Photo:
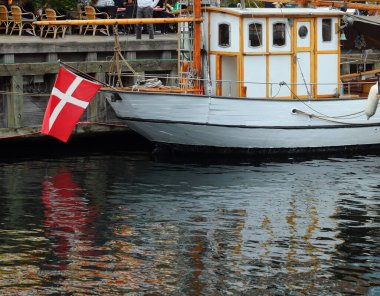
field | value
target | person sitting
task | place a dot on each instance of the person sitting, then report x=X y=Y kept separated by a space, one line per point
x=172 y=7
x=161 y=11
x=121 y=8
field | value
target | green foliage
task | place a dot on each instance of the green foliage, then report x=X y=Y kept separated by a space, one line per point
x=60 y=5
x=248 y=3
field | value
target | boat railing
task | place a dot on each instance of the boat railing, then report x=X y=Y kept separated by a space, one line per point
x=343 y=88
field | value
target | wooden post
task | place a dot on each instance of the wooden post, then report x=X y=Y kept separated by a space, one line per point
x=91 y=56
x=15 y=102
x=8 y=58
x=97 y=109
x=52 y=57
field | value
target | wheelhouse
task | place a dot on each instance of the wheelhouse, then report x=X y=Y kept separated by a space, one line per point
x=274 y=52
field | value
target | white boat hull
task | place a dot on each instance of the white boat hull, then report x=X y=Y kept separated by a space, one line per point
x=217 y=122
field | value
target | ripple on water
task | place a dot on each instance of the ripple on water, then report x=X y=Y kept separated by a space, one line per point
x=113 y=225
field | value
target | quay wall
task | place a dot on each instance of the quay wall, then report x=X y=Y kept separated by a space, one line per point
x=29 y=64
x=28 y=68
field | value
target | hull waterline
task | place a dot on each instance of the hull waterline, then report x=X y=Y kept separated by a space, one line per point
x=201 y=123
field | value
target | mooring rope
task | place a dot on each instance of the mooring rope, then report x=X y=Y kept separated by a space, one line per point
x=323 y=118
x=80 y=123
x=322 y=115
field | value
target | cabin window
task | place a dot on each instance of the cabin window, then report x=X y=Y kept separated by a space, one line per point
x=326 y=30
x=255 y=34
x=302 y=32
x=224 y=35
x=279 y=37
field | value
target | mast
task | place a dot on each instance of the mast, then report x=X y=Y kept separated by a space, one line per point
x=197 y=38
x=331 y=3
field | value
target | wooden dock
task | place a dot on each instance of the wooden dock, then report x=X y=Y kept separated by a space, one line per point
x=29 y=64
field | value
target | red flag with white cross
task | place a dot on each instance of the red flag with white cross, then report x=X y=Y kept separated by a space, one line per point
x=70 y=96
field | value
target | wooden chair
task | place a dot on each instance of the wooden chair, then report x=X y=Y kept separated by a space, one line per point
x=5 y=19
x=91 y=14
x=19 y=22
x=51 y=15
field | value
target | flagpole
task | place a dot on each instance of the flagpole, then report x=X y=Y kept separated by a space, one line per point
x=85 y=74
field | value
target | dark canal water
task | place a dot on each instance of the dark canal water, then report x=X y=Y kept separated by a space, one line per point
x=126 y=225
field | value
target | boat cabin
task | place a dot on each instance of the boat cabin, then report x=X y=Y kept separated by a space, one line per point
x=274 y=52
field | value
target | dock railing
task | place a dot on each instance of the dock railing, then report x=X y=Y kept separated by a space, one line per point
x=230 y=88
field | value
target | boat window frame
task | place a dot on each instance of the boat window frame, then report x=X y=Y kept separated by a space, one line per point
x=273 y=31
x=229 y=34
x=302 y=33
x=323 y=30
x=261 y=34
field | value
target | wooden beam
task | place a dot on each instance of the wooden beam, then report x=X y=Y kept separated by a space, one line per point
x=112 y=22
x=353 y=75
x=15 y=102
x=87 y=66
x=331 y=3
x=348 y=5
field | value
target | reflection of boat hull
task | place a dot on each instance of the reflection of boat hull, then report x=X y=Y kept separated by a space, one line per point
x=186 y=121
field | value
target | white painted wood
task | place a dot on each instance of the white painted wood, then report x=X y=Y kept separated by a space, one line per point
x=247 y=47
x=303 y=42
x=229 y=76
x=287 y=46
x=303 y=73
x=330 y=45
x=213 y=73
x=215 y=20
x=258 y=138
x=246 y=123
x=255 y=76
x=327 y=74
x=232 y=122
x=279 y=71
x=204 y=28
x=278 y=12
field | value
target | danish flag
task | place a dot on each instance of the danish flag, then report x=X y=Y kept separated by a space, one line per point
x=70 y=96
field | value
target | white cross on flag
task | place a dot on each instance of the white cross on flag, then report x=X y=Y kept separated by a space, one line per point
x=70 y=96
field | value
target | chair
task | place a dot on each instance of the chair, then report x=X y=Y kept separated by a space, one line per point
x=91 y=14
x=20 y=23
x=51 y=15
x=5 y=20
x=110 y=10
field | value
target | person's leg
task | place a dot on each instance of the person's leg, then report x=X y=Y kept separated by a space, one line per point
x=149 y=14
x=139 y=14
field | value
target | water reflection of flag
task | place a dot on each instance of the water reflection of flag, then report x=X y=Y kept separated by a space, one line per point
x=70 y=96
x=68 y=216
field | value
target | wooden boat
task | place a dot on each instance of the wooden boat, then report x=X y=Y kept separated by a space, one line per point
x=266 y=81
x=274 y=85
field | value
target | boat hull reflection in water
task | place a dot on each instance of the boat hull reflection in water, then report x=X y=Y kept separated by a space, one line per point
x=113 y=225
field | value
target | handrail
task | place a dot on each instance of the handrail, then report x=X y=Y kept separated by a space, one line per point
x=111 y=22
x=166 y=76
x=353 y=75
x=347 y=85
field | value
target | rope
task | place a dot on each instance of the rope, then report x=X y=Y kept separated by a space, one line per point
x=147 y=83
x=303 y=78
x=22 y=93
x=323 y=118
x=81 y=123
x=20 y=136
x=321 y=115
